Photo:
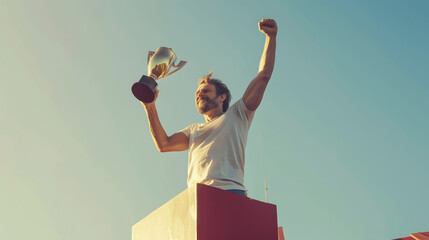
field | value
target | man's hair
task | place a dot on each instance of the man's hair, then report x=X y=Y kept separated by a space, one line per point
x=221 y=88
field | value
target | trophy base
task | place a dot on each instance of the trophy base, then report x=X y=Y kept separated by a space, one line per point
x=144 y=90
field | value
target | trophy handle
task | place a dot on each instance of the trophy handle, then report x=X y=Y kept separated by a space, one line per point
x=149 y=55
x=178 y=67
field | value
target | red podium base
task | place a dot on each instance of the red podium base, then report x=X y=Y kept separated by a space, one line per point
x=420 y=235
x=207 y=213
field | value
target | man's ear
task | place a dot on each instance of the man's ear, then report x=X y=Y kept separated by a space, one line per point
x=223 y=97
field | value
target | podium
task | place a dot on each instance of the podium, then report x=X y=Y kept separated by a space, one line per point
x=419 y=235
x=207 y=213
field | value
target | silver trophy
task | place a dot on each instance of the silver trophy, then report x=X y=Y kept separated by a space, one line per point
x=159 y=63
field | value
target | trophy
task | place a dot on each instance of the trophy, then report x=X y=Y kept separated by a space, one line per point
x=159 y=63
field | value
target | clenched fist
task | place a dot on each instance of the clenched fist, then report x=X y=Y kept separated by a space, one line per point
x=268 y=26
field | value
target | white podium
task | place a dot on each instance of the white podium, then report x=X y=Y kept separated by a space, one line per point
x=207 y=213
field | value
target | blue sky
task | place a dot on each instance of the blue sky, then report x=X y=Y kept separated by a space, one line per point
x=342 y=129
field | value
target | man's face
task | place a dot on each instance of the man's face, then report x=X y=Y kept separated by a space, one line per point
x=205 y=98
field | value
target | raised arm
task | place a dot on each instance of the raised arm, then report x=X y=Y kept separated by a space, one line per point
x=255 y=91
x=164 y=143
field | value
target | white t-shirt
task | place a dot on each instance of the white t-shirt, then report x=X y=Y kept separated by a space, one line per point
x=216 y=149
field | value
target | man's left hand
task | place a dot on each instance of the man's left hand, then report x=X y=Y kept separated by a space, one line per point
x=268 y=26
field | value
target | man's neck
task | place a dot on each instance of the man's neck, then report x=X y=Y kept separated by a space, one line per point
x=213 y=113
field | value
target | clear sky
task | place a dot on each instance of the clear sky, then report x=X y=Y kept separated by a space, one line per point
x=342 y=129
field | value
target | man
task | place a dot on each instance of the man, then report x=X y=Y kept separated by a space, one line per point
x=216 y=148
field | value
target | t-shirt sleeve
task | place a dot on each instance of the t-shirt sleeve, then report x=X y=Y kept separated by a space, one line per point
x=186 y=131
x=243 y=113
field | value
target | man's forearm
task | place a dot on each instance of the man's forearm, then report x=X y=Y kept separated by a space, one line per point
x=158 y=133
x=266 y=65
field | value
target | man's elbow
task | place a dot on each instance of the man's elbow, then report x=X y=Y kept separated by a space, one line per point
x=265 y=77
x=161 y=148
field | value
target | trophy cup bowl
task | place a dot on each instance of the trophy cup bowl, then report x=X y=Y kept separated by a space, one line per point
x=159 y=64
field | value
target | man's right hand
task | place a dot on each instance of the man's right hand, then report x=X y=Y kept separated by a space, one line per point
x=154 y=100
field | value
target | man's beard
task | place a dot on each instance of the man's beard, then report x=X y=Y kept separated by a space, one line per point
x=208 y=105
